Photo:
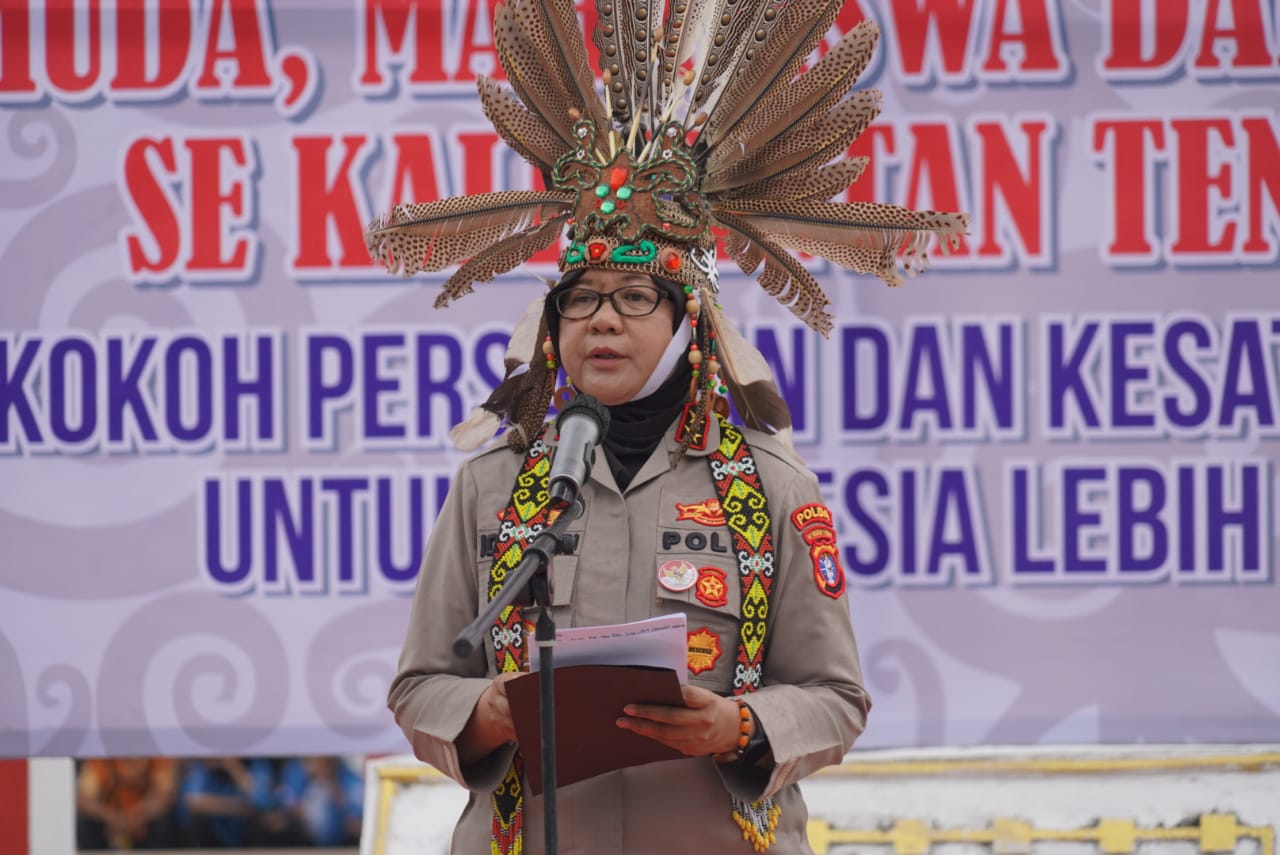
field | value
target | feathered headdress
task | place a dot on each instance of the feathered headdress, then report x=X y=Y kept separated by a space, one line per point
x=708 y=127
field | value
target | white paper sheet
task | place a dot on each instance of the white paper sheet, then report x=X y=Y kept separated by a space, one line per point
x=662 y=642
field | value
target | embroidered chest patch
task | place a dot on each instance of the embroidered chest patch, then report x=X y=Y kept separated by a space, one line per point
x=704 y=650
x=706 y=512
x=712 y=589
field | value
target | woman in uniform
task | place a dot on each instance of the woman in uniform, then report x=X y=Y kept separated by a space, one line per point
x=706 y=139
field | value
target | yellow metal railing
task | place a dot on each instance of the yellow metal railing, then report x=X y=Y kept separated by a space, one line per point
x=1215 y=832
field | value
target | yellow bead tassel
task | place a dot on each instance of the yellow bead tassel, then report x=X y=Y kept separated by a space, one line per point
x=758 y=821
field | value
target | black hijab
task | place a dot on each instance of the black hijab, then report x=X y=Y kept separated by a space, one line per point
x=636 y=427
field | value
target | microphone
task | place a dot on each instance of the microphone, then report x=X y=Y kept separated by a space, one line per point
x=581 y=425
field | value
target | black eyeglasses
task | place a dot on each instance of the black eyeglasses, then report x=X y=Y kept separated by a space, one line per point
x=633 y=301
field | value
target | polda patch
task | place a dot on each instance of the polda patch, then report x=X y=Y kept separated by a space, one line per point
x=825 y=555
x=712 y=589
x=812 y=514
x=704 y=650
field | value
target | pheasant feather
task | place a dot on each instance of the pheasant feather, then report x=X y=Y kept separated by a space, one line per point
x=810 y=144
x=780 y=109
x=862 y=236
x=747 y=375
x=732 y=39
x=506 y=254
x=783 y=276
x=803 y=185
x=800 y=25
x=484 y=421
x=436 y=235
x=523 y=130
x=550 y=82
x=610 y=37
x=557 y=22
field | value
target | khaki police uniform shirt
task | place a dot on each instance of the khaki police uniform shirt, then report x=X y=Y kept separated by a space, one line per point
x=811 y=704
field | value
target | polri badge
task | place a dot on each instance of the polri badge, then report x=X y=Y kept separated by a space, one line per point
x=712 y=588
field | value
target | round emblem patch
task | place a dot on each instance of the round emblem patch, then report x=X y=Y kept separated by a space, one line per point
x=713 y=588
x=677 y=575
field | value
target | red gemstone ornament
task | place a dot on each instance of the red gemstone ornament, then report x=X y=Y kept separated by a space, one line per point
x=596 y=250
x=617 y=177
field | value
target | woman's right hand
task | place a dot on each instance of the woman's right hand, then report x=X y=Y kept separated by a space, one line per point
x=490 y=725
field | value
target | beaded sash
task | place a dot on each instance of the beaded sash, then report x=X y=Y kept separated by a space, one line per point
x=746 y=511
x=523 y=519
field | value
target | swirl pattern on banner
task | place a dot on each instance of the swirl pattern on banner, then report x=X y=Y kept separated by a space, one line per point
x=246 y=708
x=892 y=662
x=32 y=137
x=24 y=307
x=349 y=666
x=1125 y=685
x=66 y=688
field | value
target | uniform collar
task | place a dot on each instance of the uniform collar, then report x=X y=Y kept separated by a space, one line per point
x=662 y=458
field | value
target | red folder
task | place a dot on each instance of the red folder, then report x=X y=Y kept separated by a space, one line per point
x=589 y=700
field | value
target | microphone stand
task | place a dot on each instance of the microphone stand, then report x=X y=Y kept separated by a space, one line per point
x=530 y=582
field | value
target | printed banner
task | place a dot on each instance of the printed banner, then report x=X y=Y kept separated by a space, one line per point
x=1050 y=461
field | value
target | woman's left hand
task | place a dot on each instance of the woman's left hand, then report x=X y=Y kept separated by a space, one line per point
x=708 y=725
